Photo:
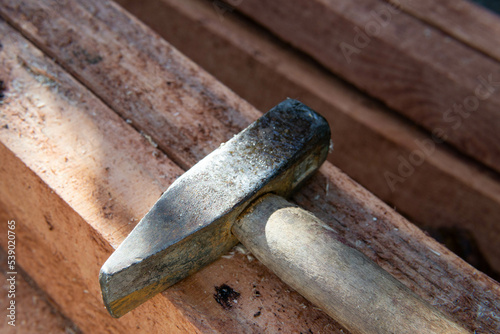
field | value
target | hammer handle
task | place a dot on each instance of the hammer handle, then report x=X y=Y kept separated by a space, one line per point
x=310 y=257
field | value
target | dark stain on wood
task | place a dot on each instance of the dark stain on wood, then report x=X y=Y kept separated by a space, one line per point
x=2 y=90
x=90 y=58
x=226 y=296
x=48 y=220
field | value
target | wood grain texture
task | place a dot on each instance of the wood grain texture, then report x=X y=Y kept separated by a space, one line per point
x=434 y=80
x=472 y=24
x=308 y=255
x=399 y=247
x=369 y=140
x=59 y=141
x=124 y=59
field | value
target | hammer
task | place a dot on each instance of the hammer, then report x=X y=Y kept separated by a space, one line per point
x=236 y=193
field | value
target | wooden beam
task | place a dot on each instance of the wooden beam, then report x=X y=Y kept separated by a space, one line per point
x=111 y=176
x=472 y=24
x=416 y=69
x=34 y=312
x=67 y=164
x=370 y=141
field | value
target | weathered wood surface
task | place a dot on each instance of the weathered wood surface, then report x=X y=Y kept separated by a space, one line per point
x=114 y=177
x=68 y=165
x=439 y=83
x=349 y=287
x=370 y=141
x=472 y=24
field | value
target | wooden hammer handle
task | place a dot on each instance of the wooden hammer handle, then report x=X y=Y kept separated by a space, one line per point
x=310 y=257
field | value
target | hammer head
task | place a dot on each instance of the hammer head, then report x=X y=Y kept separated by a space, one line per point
x=190 y=225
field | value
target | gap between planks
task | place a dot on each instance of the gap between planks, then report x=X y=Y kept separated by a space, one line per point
x=466 y=21
x=410 y=66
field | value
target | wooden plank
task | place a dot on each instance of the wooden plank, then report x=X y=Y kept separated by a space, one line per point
x=34 y=312
x=370 y=141
x=472 y=24
x=77 y=178
x=59 y=141
x=171 y=124
x=402 y=249
x=434 y=80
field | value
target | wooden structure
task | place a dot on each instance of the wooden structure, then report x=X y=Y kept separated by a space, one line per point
x=99 y=115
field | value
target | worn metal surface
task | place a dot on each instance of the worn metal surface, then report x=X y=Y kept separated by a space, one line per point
x=190 y=225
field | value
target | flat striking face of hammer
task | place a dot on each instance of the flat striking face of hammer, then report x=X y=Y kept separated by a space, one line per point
x=190 y=225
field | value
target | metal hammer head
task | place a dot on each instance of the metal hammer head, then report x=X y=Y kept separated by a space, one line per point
x=190 y=225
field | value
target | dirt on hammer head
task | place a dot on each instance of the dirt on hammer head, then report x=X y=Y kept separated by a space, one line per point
x=190 y=225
